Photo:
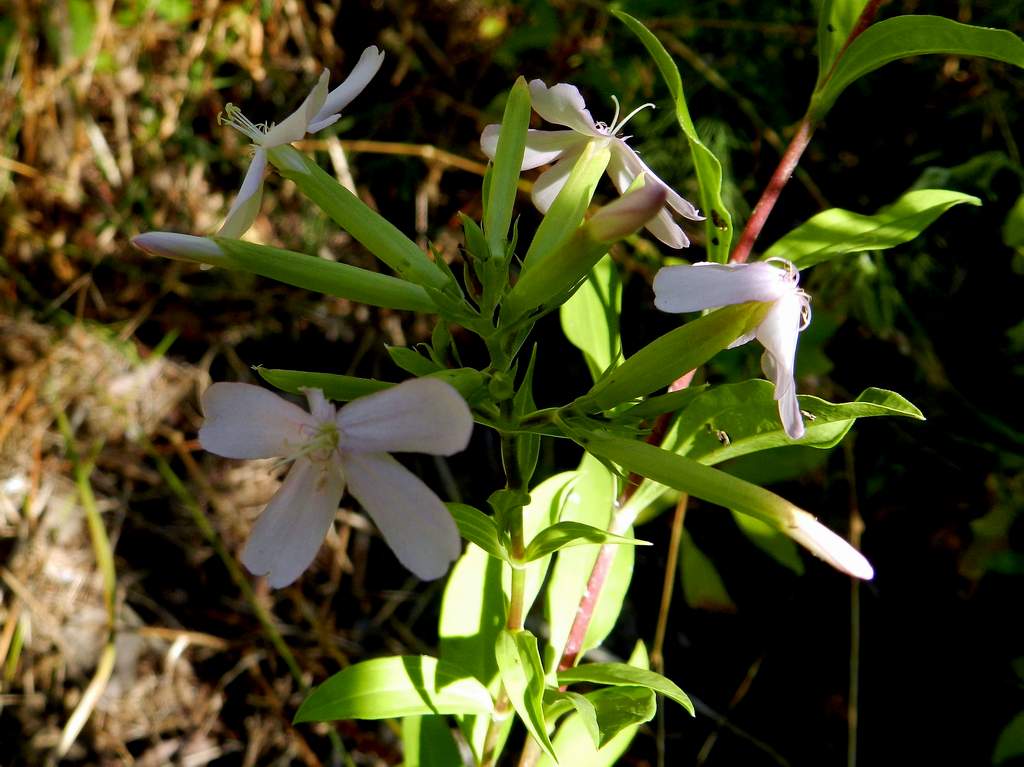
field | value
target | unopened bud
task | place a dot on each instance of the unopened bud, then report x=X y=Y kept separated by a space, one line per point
x=627 y=214
x=826 y=545
x=182 y=247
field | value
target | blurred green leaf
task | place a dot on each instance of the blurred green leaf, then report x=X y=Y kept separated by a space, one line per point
x=1011 y=741
x=903 y=36
x=836 y=232
x=703 y=588
x=590 y=319
x=427 y=742
x=1013 y=226
x=778 y=546
x=402 y=685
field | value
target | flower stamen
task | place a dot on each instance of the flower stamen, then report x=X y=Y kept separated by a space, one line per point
x=233 y=116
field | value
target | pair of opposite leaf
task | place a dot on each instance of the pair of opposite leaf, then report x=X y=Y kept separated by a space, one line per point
x=352 y=444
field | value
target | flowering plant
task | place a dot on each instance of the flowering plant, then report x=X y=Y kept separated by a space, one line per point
x=563 y=542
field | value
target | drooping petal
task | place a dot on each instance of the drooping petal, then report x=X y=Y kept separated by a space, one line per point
x=667 y=231
x=542 y=146
x=690 y=288
x=550 y=182
x=296 y=125
x=622 y=171
x=246 y=206
x=246 y=421
x=562 y=104
x=826 y=545
x=635 y=166
x=778 y=333
x=360 y=76
x=289 y=532
x=412 y=519
x=422 y=415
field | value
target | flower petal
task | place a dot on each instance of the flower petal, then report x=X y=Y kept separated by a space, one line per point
x=291 y=529
x=542 y=146
x=246 y=206
x=550 y=182
x=246 y=421
x=297 y=123
x=667 y=231
x=562 y=104
x=360 y=76
x=635 y=166
x=422 y=415
x=689 y=288
x=778 y=333
x=412 y=519
x=826 y=545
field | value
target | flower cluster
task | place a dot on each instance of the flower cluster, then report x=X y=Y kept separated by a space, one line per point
x=562 y=104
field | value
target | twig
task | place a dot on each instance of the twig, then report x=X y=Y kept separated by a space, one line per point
x=856 y=530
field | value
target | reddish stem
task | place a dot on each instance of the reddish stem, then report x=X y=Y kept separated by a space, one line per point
x=771 y=193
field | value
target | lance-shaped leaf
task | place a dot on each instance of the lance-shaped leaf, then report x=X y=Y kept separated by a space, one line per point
x=560 y=275
x=590 y=319
x=709 y=170
x=836 y=20
x=523 y=676
x=679 y=351
x=570 y=205
x=477 y=527
x=342 y=388
x=619 y=674
x=717 y=487
x=504 y=173
x=566 y=534
x=902 y=36
x=402 y=685
x=836 y=232
x=605 y=712
x=427 y=742
x=376 y=233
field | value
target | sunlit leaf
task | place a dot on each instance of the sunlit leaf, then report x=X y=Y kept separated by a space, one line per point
x=523 y=677
x=623 y=674
x=403 y=685
x=590 y=319
x=836 y=20
x=477 y=527
x=427 y=742
x=566 y=534
x=703 y=588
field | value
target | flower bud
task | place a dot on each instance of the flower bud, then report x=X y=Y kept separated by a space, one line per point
x=625 y=215
x=182 y=247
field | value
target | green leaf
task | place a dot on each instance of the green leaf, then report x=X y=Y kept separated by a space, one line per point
x=527 y=445
x=566 y=212
x=589 y=500
x=477 y=527
x=329 y=277
x=619 y=708
x=623 y=674
x=590 y=319
x=376 y=233
x=835 y=22
x=566 y=534
x=1013 y=226
x=836 y=232
x=574 y=741
x=558 y=703
x=902 y=36
x=411 y=361
x=709 y=170
x=731 y=420
x=679 y=351
x=427 y=742
x=665 y=403
x=1011 y=741
x=402 y=685
x=342 y=388
x=523 y=678
x=773 y=543
x=703 y=588
x=508 y=161
x=335 y=387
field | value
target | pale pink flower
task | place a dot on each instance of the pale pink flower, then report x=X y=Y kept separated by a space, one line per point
x=332 y=448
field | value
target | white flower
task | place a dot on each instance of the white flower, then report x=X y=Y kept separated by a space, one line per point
x=708 y=286
x=562 y=104
x=319 y=110
x=331 y=447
